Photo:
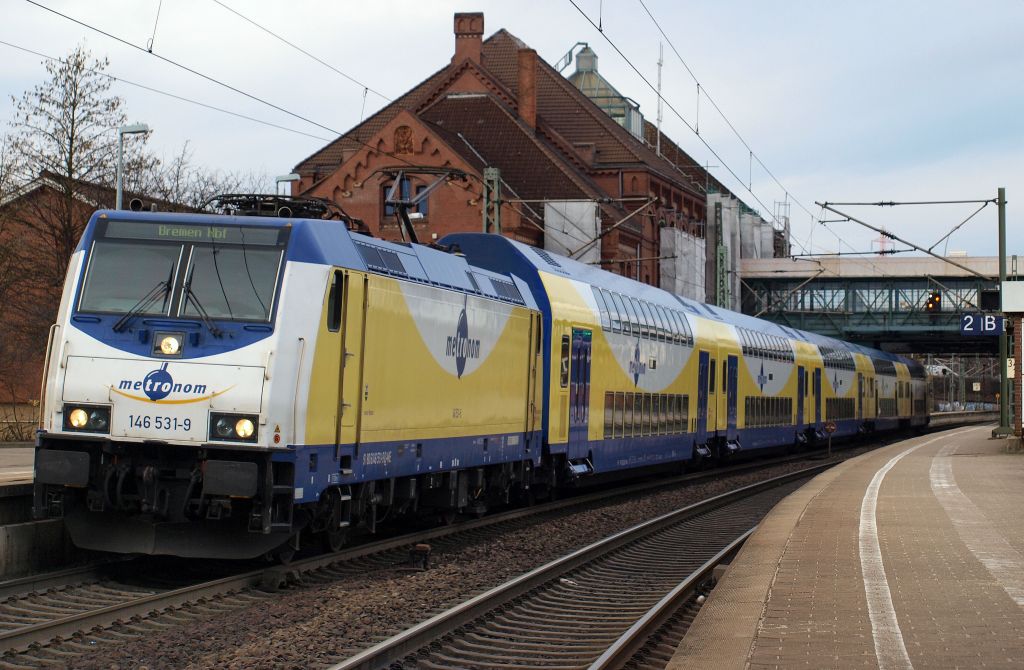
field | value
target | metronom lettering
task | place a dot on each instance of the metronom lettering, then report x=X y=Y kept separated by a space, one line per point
x=462 y=347
x=165 y=387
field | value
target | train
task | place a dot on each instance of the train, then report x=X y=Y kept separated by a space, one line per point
x=229 y=386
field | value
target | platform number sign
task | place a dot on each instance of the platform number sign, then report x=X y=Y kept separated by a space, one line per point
x=981 y=325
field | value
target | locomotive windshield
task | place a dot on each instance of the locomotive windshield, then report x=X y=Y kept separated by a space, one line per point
x=184 y=270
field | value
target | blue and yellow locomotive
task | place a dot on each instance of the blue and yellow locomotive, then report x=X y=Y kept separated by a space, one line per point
x=222 y=386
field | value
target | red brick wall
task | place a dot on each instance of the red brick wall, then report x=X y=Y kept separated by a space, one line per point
x=30 y=304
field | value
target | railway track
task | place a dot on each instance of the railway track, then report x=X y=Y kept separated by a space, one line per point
x=595 y=607
x=46 y=619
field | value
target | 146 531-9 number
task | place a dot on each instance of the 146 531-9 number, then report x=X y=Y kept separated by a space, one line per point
x=159 y=422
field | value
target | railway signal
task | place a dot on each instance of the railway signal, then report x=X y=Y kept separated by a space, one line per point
x=934 y=302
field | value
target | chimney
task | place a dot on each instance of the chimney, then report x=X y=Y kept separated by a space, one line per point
x=469 y=35
x=527 y=80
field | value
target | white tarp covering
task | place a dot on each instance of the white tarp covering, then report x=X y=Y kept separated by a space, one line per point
x=570 y=225
x=767 y=240
x=683 y=275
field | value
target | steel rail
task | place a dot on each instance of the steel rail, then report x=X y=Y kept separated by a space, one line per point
x=20 y=639
x=397 y=647
x=634 y=639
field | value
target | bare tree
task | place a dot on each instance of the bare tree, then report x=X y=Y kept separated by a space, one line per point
x=64 y=135
x=184 y=185
x=60 y=162
x=62 y=144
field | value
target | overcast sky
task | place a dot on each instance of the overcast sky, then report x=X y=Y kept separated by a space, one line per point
x=852 y=101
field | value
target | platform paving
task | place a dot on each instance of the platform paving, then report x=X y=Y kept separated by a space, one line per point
x=16 y=464
x=908 y=556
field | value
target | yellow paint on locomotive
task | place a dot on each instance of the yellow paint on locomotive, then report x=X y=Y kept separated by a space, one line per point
x=404 y=391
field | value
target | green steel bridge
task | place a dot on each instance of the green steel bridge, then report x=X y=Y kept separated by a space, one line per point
x=880 y=302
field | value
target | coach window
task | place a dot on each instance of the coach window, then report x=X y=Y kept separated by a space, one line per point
x=619 y=412
x=647 y=327
x=623 y=315
x=711 y=378
x=602 y=308
x=665 y=327
x=615 y=310
x=634 y=314
x=334 y=303
x=677 y=326
x=609 y=414
x=634 y=410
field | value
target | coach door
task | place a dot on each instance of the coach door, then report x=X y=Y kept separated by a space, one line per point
x=701 y=429
x=801 y=381
x=860 y=395
x=817 y=396
x=353 y=328
x=579 y=393
x=533 y=358
x=731 y=377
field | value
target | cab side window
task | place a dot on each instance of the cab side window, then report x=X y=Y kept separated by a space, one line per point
x=334 y=302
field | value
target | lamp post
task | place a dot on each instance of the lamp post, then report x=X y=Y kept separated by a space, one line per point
x=133 y=129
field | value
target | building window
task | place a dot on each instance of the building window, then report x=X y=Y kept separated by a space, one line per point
x=404 y=194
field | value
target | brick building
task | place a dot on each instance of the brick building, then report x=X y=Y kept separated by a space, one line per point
x=40 y=226
x=497 y=105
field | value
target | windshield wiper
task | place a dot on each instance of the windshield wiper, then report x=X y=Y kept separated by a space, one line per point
x=190 y=296
x=157 y=292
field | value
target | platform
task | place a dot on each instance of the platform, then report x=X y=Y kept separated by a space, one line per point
x=909 y=556
x=16 y=463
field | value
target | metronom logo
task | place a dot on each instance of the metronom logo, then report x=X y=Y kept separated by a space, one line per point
x=159 y=384
x=460 y=346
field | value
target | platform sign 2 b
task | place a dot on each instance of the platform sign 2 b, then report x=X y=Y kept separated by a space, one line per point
x=981 y=325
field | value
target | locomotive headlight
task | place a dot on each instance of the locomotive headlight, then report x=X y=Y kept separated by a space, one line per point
x=233 y=427
x=224 y=428
x=244 y=428
x=98 y=420
x=170 y=345
x=78 y=418
x=87 y=418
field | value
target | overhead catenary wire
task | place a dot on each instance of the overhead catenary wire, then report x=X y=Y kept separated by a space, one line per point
x=302 y=51
x=900 y=239
x=305 y=119
x=206 y=77
x=186 y=68
x=959 y=226
x=673 y=109
x=465 y=187
x=222 y=84
x=701 y=88
x=892 y=203
x=169 y=94
x=156 y=22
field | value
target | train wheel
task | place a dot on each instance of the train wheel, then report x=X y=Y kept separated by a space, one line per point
x=334 y=540
x=283 y=554
x=335 y=519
